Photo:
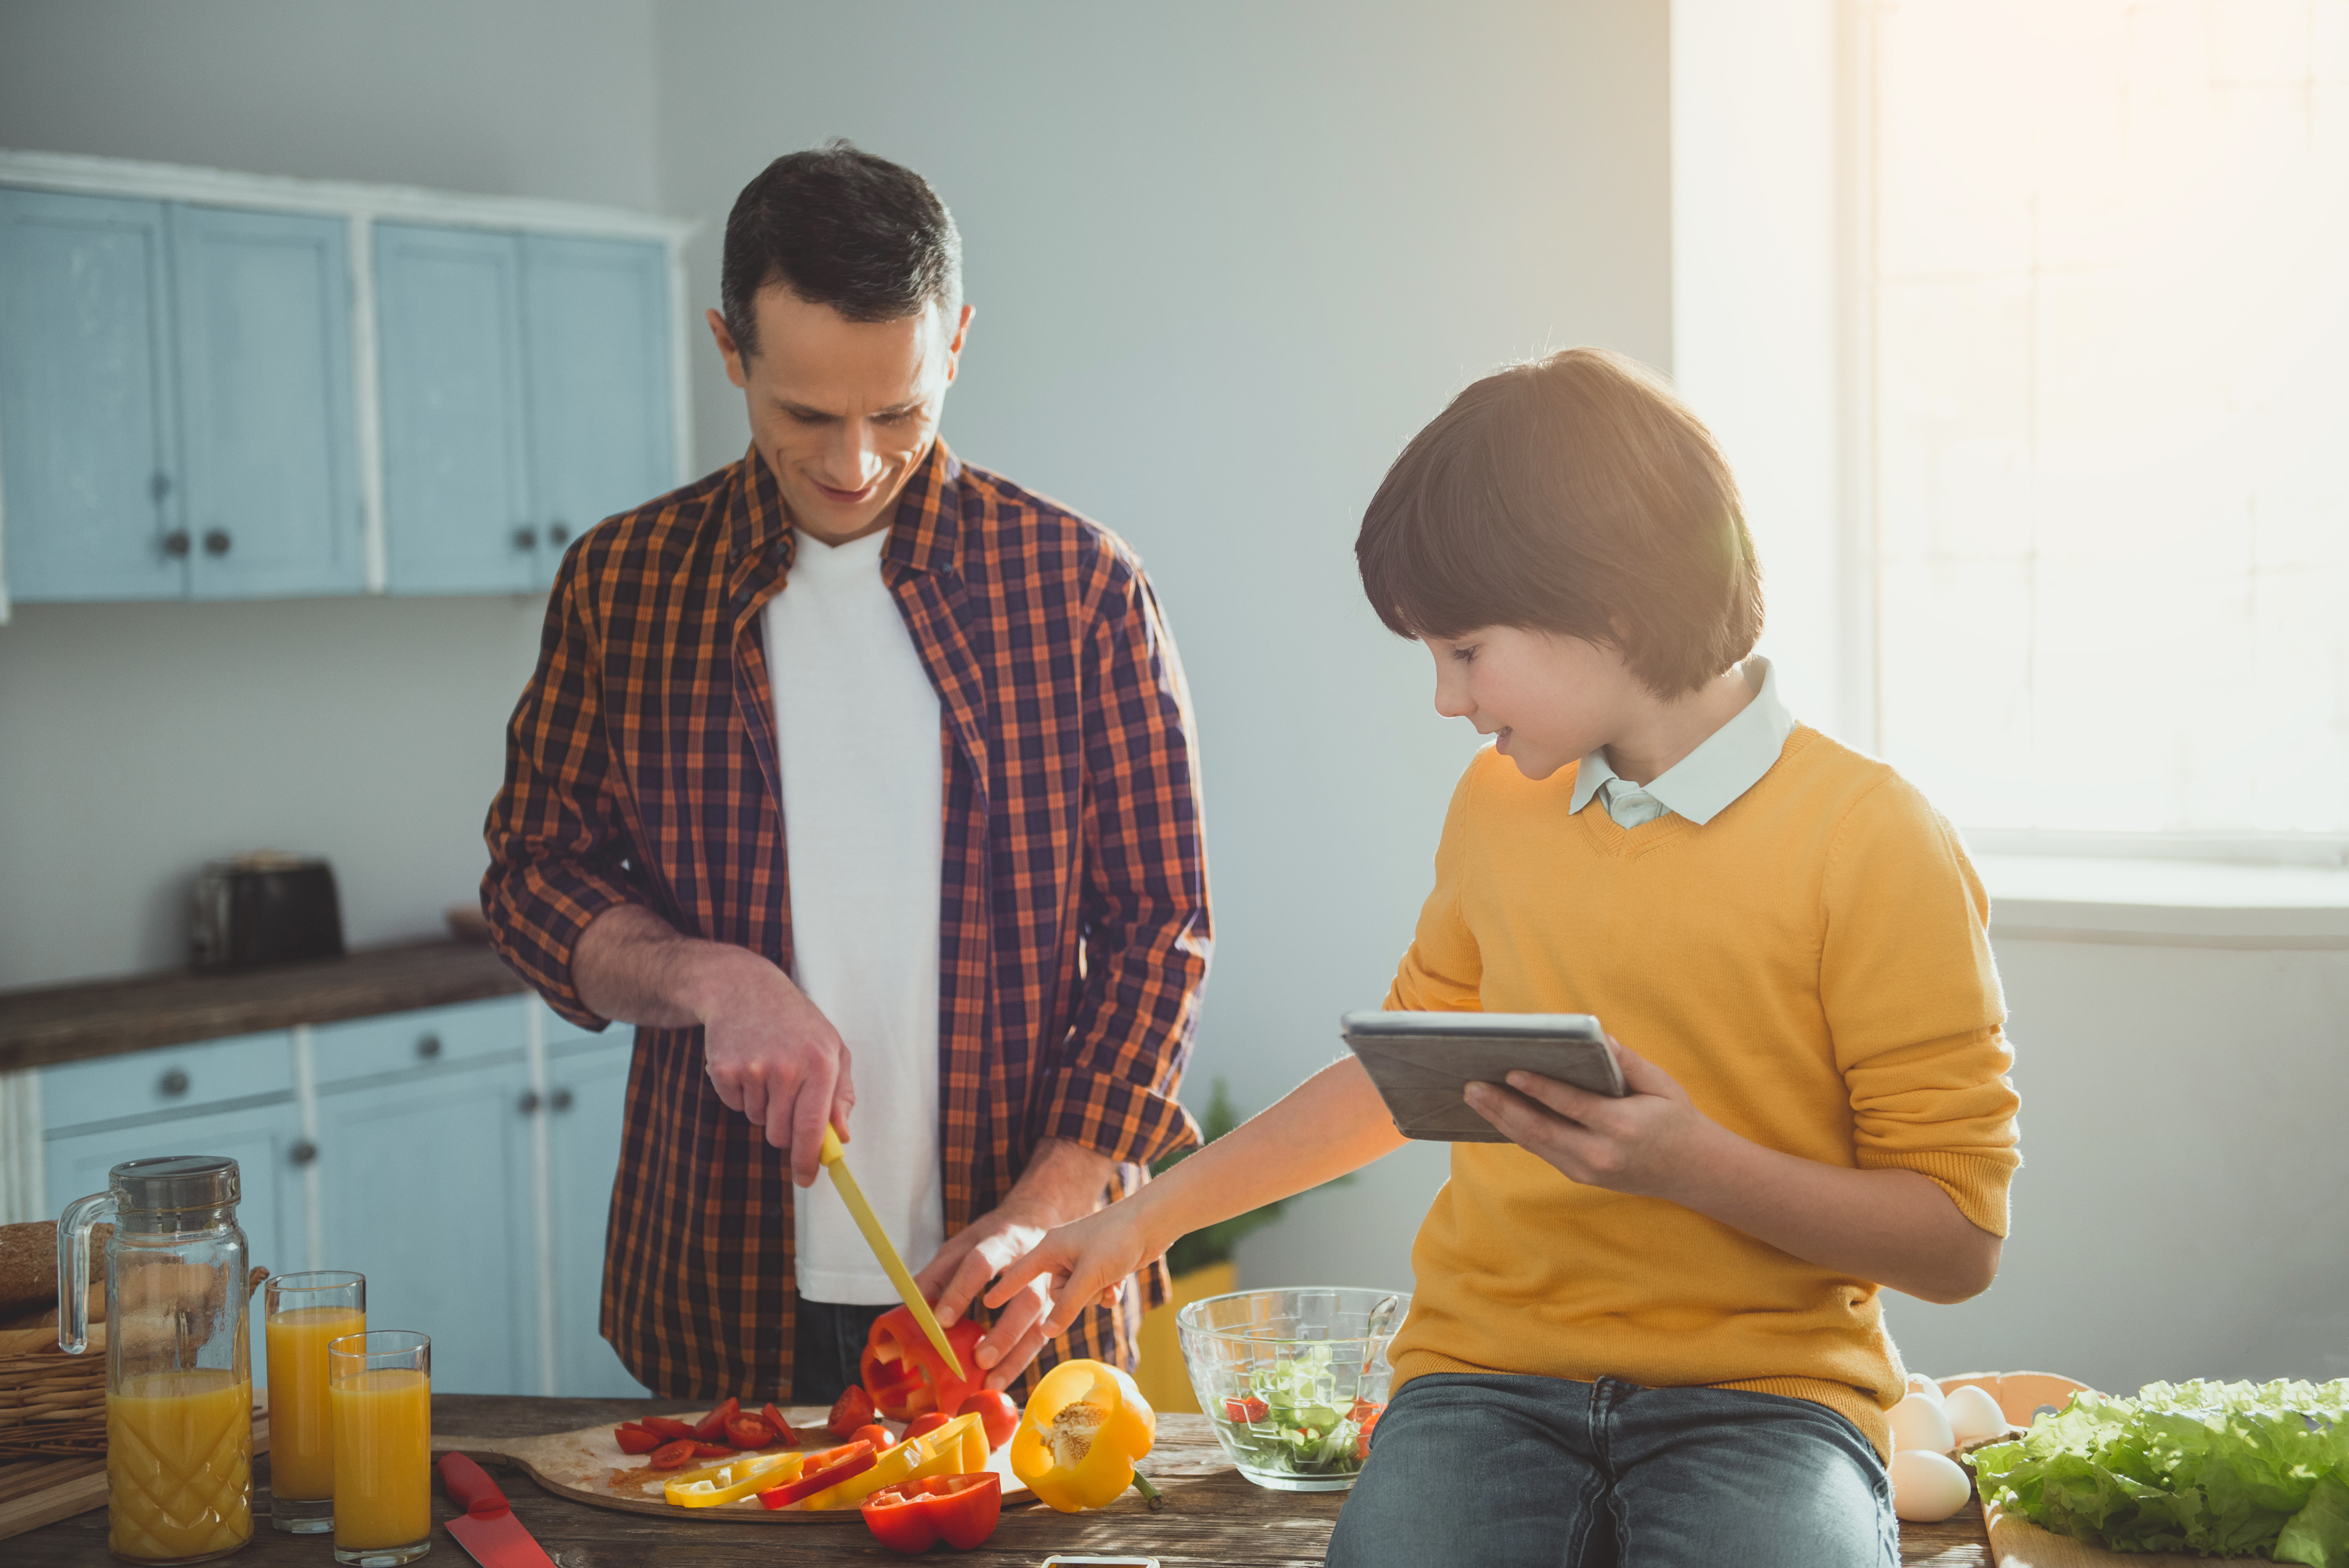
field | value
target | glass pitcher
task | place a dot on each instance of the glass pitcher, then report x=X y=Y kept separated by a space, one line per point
x=179 y=1372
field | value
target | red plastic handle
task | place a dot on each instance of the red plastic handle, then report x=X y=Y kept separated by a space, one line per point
x=470 y=1488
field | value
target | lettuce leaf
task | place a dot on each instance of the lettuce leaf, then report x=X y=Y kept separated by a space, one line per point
x=2230 y=1470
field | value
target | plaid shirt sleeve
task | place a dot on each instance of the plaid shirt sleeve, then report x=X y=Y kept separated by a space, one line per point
x=556 y=835
x=1144 y=901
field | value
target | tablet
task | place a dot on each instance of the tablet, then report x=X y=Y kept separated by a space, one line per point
x=1421 y=1061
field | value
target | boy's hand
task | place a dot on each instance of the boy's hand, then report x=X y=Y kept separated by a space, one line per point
x=1650 y=1142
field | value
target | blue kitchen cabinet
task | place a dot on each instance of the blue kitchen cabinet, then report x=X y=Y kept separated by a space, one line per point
x=601 y=432
x=588 y=1080
x=426 y=1172
x=457 y=502
x=263 y=317
x=88 y=462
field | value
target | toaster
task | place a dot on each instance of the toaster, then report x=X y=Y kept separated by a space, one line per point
x=264 y=908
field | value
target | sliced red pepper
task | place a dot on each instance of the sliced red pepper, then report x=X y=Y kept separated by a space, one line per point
x=672 y=1455
x=749 y=1432
x=1250 y=1409
x=995 y=1412
x=906 y=1375
x=807 y=1486
x=633 y=1439
x=851 y=1410
x=667 y=1427
x=928 y=1423
x=959 y=1510
x=824 y=1457
x=783 y=1433
x=713 y=1427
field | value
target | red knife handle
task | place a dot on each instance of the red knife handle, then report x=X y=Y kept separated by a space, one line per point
x=470 y=1488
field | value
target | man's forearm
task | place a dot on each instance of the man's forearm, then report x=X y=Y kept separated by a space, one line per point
x=632 y=967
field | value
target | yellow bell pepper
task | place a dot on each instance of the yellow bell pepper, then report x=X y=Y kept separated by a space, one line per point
x=948 y=1451
x=1084 y=1426
x=733 y=1482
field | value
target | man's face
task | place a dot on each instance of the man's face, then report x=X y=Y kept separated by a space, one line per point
x=1551 y=699
x=841 y=410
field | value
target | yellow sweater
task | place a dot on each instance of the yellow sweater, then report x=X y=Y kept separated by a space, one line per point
x=1811 y=966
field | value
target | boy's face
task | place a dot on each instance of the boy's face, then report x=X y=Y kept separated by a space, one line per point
x=1550 y=699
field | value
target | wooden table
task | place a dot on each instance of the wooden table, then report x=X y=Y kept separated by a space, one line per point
x=1211 y=1516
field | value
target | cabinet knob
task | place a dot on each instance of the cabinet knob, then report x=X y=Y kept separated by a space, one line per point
x=172 y=1084
x=530 y=1102
x=429 y=1047
x=216 y=541
x=558 y=533
x=175 y=544
x=525 y=538
x=303 y=1152
x=561 y=1100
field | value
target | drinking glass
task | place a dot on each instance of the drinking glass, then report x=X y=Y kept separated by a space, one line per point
x=379 y=1390
x=306 y=1312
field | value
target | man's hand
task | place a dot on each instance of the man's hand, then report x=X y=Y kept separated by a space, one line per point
x=1649 y=1142
x=1063 y=1181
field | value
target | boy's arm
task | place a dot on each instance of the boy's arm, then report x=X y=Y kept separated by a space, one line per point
x=1332 y=1123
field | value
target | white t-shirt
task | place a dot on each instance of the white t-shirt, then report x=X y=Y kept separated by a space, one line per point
x=857 y=736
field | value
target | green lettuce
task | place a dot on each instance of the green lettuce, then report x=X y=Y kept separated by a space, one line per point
x=2229 y=1469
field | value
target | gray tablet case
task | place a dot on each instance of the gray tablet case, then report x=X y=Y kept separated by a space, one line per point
x=1421 y=1061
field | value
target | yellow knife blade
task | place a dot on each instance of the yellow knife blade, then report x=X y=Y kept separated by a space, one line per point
x=836 y=1159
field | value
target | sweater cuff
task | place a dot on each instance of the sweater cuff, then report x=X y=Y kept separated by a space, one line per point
x=1976 y=1183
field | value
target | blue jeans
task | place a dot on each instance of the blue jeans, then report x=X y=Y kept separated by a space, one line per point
x=827 y=1342
x=1519 y=1470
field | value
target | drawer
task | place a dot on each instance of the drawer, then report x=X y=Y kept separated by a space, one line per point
x=430 y=1038
x=170 y=1081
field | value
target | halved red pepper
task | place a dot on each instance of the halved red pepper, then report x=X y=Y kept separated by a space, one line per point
x=749 y=1432
x=850 y=1411
x=635 y=1440
x=713 y=1427
x=905 y=1372
x=666 y=1427
x=959 y=1510
x=783 y=1433
x=672 y=1455
x=813 y=1481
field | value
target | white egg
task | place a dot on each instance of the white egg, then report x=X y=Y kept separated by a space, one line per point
x=1921 y=1384
x=1918 y=1423
x=1927 y=1488
x=1973 y=1415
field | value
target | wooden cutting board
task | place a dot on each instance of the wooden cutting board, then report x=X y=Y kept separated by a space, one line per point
x=587 y=1466
x=2016 y=1543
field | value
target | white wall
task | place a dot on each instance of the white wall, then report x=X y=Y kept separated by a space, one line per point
x=1226 y=258
x=137 y=742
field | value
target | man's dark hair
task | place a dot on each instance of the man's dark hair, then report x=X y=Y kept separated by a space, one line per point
x=1574 y=495
x=841 y=228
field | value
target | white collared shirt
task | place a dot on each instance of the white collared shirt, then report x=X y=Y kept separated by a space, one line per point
x=1700 y=786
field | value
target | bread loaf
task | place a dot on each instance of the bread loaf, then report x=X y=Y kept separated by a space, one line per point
x=28 y=1266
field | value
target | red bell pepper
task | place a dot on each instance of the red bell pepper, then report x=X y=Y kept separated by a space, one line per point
x=995 y=1412
x=906 y=1375
x=813 y=1481
x=667 y=1427
x=959 y=1510
x=633 y=1439
x=783 y=1433
x=749 y=1432
x=672 y=1455
x=713 y=1427
x=851 y=1410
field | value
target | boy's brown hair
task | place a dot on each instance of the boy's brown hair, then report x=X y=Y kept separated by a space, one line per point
x=1574 y=494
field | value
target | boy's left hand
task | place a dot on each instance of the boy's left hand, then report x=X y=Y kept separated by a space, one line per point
x=1649 y=1142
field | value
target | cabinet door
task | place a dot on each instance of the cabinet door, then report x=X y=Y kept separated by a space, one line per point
x=87 y=460
x=599 y=381
x=587 y=1089
x=259 y=1139
x=455 y=473
x=426 y=1185
x=264 y=348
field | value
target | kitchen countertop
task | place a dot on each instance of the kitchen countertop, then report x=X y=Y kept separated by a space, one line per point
x=1211 y=1516
x=56 y=1023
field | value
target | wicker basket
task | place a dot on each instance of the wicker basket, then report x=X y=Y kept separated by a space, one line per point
x=53 y=1404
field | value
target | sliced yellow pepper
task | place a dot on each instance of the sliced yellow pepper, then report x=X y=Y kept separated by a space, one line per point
x=948 y=1451
x=958 y=1447
x=1084 y=1426
x=733 y=1482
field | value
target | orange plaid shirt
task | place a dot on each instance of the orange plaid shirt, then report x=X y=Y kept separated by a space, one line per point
x=640 y=768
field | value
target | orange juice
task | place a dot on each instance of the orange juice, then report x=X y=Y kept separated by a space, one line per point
x=383 y=1459
x=178 y=1460
x=301 y=1439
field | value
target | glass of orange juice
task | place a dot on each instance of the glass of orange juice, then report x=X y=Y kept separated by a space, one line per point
x=379 y=1399
x=307 y=1312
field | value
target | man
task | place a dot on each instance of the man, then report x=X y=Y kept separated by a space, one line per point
x=863 y=782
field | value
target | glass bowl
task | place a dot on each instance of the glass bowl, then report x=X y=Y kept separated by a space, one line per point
x=1292 y=1379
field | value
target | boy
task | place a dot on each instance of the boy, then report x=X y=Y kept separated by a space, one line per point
x=1646 y=1330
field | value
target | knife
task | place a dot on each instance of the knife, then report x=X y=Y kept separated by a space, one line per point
x=487 y=1528
x=836 y=1159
